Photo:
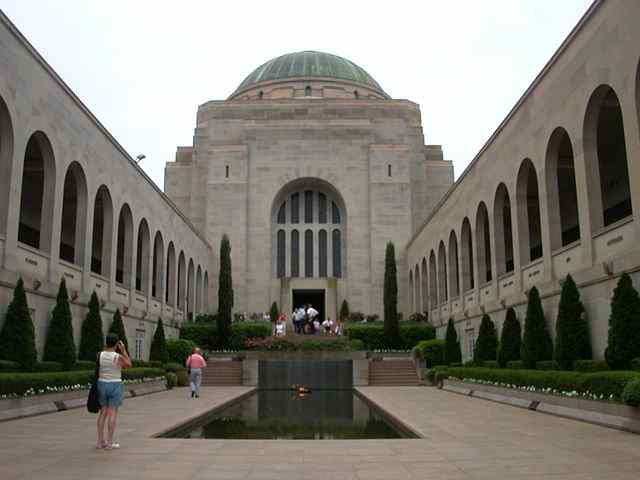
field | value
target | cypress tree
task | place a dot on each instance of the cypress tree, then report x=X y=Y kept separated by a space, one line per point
x=573 y=341
x=390 y=294
x=274 y=312
x=536 y=342
x=225 y=293
x=452 y=352
x=624 y=325
x=91 y=336
x=59 y=345
x=17 y=338
x=159 y=351
x=117 y=327
x=487 y=345
x=344 y=311
x=510 y=339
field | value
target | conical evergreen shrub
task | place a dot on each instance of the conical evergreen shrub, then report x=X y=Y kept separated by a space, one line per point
x=390 y=298
x=510 y=339
x=91 y=336
x=117 y=327
x=452 y=352
x=573 y=341
x=624 y=325
x=159 y=351
x=17 y=337
x=536 y=342
x=59 y=345
x=273 y=312
x=487 y=344
x=344 y=311
x=225 y=294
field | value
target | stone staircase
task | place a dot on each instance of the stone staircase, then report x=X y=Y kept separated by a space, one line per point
x=393 y=372
x=222 y=372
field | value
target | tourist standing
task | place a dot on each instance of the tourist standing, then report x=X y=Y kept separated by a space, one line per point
x=195 y=363
x=111 y=361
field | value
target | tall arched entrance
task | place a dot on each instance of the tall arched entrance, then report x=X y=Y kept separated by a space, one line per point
x=308 y=254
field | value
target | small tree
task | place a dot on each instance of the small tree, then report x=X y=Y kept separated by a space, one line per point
x=225 y=293
x=624 y=325
x=510 y=339
x=487 y=345
x=452 y=352
x=274 y=312
x=536 y=342
x=573 y=341
x=17 y=338
x=344 y=311
x=390 y=298
x=59 y=345
x=91 y=336
x=117 y=327
x=159 y=345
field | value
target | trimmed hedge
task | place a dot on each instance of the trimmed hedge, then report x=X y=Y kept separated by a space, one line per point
x=598 y=383
x=204 y=335
x=635 y=364
x=590 y=366
x=178 y=350
x=19 y=383
x=631 y=393
x=432 y=351
x=174 y=367
x=373 y=334
x=47 y=367
x=9 y=366
x=84 y=365
x=515 y=365
x=491 y=364
x=547 y=365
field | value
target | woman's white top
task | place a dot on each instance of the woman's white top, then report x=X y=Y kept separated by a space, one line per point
x=110 y=369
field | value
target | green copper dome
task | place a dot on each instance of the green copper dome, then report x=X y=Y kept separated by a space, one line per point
x=309 y=64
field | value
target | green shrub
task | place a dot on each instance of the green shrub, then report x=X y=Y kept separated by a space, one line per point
x=17 y=337
x=356 y=345
x=413 y=333
x=140 y=364
x=631 y=393
x=486 y=347
x=84 y=365
x=274 y=313
x=372 y=335
x=117 y=327
x=179 y=349
x=390 y=299
x=59 y=345
x=491 y=364
x=205 y=318
x=536 y=342
x=241 y=331
x=603 y=384
x=355 y=317
x=159 y=345
x=91 y=336
x=635 y=364
x=452 y=354
x=456 y=364
x=205 y=335
x=510 y=339
x=441 y=375
x=590 y=366
x=624 y=325
x=515 y=365
x=172 y=380
x=48 y=367
x=225 y=294
x=573 y=341
x=183 y=378
x=174 y=367
x=547 y=365
x=9 y=366
x=344 y=311
x=432 y=351
x=19 y=383
x=468 y=363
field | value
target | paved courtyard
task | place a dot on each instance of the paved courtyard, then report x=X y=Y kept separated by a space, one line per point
x=464 y=438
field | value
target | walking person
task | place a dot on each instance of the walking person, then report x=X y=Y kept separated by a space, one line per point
x=111 y=361
x=195 y=363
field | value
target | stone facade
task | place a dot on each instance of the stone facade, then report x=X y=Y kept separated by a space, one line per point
x=555 y=191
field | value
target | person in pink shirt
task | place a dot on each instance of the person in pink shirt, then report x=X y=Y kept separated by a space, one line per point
x=195 y=363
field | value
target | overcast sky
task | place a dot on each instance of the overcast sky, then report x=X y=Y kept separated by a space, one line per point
x=143 y=67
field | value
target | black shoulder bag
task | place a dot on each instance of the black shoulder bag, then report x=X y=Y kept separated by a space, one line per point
x=93 y=405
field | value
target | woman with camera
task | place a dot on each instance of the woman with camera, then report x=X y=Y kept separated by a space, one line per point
x=111 y=361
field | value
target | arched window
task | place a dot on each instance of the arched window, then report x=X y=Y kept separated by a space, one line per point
x=605 y=153
x=564 y=220
x=295 y=208
x=454 y=271
x=322 y=208
x=337 y=253
x=282 y=214
x=307 y=91
x=467 y=256
x=102 y=232
x=308 y=253
x=322 y=253
x=502 y=227
x=157 y=275
x=433 y=281
x=295 y=253
x=442 y=273
x=281 y=254
x=483 y=244
x=6 y=162
x=37 y=193
x=335 y=216
x=142 y=257
x=124 y=246
x=74 y=215
x=198 y=290
x=170 y=280
x=424 y=286
x=411 y=295
x=528 y=201
x=308 y=206
x=190 y=289
x=182 y=273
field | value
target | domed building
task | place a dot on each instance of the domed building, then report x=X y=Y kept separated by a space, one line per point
x=310 y=168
